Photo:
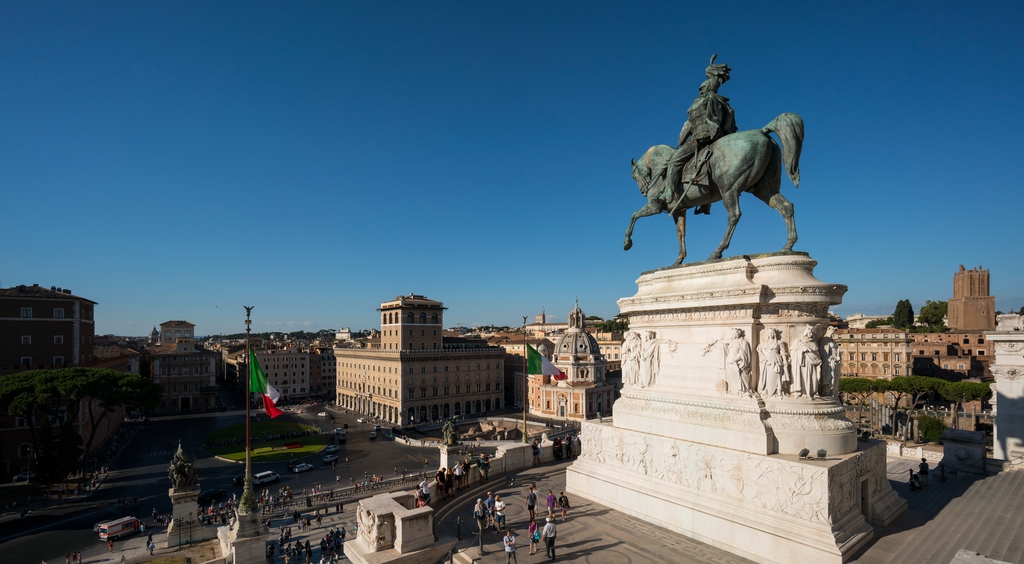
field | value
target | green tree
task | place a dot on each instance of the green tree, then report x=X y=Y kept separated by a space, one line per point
x=932 y=313
x=931 y=427
x=879 y=322
x=903 y=317
x=859 y=389
x=960 y=393
x=920 y=387
x=1021 y=312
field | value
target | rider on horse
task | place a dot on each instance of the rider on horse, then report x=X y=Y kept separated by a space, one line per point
x=709 y=118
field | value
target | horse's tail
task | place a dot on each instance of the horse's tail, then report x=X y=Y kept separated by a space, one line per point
x=790 y=129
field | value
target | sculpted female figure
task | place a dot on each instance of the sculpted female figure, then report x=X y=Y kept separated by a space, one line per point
x=831 y=363
x=773 y=364
x=806 y=364
x=631 y=359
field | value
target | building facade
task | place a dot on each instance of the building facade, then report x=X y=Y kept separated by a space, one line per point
x=954 y=355
x=882 y=352
x=172 y=330
x=412 y=375
x=287 y=370
x=188 y=374
x=582 y=393
x=44 y=328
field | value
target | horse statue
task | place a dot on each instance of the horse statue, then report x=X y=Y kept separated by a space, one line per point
x=745 y=161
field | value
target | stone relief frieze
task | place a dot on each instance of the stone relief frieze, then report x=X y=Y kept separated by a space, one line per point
x=791 y=310
x=710 y=314
x=735 y=362
x=692 y=297
x=805 y=423
x=796 y=490
x=1008 y=347
x=641 y=357
x=1005 y=373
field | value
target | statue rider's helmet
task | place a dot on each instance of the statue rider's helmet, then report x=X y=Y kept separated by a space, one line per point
x=716 y=74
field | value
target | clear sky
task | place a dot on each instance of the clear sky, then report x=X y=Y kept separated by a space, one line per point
x=176 y=160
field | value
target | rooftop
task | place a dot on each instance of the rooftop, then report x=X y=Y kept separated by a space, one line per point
x=37 y=291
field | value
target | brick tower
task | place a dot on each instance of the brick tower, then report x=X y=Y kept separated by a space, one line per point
x=972 y=308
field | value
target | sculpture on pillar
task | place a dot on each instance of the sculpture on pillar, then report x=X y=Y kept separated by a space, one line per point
x=773 y=364
x=806 y=364
x=450 y=432
x=631 y=348
x=182 y=471
x=736 y=362
x=650 y=358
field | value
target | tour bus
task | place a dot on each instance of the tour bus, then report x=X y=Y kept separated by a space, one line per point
x=264 y=477
x=116 y=529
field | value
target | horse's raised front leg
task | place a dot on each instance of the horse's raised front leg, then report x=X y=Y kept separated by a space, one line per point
x=731 y=200
x=651 y=208
x=680 y=217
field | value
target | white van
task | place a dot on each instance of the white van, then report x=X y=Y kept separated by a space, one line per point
x=265 y=477
x=118 y=528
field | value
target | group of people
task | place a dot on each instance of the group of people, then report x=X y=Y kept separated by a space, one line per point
x=490 y=513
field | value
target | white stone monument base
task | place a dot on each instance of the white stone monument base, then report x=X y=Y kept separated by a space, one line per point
x=768 y=508
x=357 y=552
x=251 y=550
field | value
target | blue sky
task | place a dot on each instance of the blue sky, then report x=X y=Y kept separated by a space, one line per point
x=178 y=160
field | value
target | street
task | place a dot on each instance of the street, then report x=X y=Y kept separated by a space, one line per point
x=141 y=470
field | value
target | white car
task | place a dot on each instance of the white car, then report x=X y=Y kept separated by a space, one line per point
x=322 y=414
x=331 y=448
x=302 y=467
x=330 y=458
x=361 y=420
x=373 y=435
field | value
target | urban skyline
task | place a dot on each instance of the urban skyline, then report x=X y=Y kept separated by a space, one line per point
x=316 y=160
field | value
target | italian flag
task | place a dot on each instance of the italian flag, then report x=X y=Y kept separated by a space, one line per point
x=537 y=364
x=258 y=384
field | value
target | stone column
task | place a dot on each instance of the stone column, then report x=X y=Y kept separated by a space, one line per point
x=183 y=510
x=1008 y=392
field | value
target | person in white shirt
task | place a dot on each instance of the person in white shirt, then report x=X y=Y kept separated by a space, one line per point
x=548 y=536
x=499 y=512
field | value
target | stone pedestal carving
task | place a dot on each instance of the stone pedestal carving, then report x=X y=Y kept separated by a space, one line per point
x=1008 y=391
x=392 y=529
x=183 y=510
x=729 y=375
x=963 y=452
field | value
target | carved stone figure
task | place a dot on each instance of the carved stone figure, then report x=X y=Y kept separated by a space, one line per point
x=747 y=161
x=831 y=365
x=182 y=471
x=450 y=432
x=737 y=363
x=650 y=358
x=806 y=364
x=773 y=364
x=631 y=348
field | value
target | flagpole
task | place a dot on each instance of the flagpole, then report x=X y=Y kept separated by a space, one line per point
x=526 y=378
x=247 y=505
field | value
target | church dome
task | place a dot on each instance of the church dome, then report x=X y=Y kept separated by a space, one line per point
x=576 y=340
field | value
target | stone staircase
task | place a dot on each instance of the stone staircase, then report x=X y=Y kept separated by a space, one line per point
x=984 y=515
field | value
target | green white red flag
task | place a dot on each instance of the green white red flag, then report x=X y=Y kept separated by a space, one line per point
x=258 y=384
x=537 y=364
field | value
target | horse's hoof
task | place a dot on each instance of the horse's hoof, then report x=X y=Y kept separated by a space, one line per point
x=715 y=256
x=627 y=245
x=678 y=262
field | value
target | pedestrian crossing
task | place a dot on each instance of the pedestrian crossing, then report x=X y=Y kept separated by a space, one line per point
x=156 y=453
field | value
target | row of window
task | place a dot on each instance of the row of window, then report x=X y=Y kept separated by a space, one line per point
x=423 y=369
x=178 y=334
x=390 y=318
x=58 y=313
x=27 y=360
x=57 y=339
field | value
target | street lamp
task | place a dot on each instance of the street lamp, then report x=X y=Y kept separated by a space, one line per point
x=189 y=527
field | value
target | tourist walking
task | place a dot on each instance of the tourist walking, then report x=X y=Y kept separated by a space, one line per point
x=510 y=547
x=479 y=513
x=531 y=502
x=534 y=533
x=923 y=472
x=499 y=512
x=551 y=500
x=563 y=504
x=548 y=535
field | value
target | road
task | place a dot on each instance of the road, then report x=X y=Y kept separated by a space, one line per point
x=141 y=470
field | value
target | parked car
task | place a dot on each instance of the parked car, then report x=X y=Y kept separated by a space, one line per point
x=211 y=495
x=24 y=476
x=322 y=414
x=361 y=420
x=331 y=448
x=238 y=480
x=330 y=458
x=302 y=467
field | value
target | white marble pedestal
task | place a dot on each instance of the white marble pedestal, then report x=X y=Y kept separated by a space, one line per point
x=729 y=374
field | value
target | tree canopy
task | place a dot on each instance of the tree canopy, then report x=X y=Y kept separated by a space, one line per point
x=903 y=317
x=932 y=313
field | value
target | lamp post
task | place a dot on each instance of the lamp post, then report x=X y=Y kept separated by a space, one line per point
x=190 y=528
x=526 y=379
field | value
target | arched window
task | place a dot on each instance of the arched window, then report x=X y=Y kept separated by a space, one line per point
x=434 y=412
x=447 y=410
x=478 y=406
x=458 y=408
x=469 y=408
x=411 y=319
x=412 y=414
x=433 y=319
x=423 y=318
x=497 y=404
x=487 y=404
x=423 y=413
x=24 y=450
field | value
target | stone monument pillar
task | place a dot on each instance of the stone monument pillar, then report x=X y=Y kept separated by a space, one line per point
x=728 y=429
x=1008 y=391
x=393 y=530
